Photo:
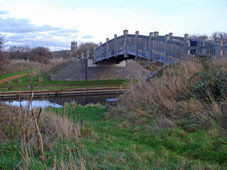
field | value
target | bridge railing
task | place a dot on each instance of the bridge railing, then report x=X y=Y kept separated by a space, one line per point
x=165 y=49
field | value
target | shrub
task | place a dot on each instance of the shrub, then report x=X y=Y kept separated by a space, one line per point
x=41 y=55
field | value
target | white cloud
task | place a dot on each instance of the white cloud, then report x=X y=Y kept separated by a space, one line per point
x=103 y=19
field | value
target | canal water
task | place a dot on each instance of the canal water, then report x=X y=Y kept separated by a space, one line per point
x=60 y=101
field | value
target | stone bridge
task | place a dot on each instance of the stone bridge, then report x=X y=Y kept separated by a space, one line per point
x=165 y=49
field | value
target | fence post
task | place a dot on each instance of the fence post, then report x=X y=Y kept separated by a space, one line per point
x=150 y=45
x=171 y=35
x=88 y=53
x=136 y=43
x=156 y=33
x=115 y=45
x=155 y=43
x=10 y=81
x=204 y=49
x=187 y=50
x=167 y=37
x=107 y=47
x=125 y=43
x=40 y=79
x=82 y=55
x=221 y=51
x=94 y=55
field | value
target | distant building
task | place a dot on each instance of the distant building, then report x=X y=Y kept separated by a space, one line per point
x=74 y=47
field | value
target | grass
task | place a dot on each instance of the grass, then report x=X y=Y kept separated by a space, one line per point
x=21 y=65
x=41 y=70
x=14 y=74
x=172 y=122
x=114 y=143
x=47 y=84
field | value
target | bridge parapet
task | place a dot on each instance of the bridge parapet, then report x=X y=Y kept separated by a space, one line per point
x=165 y=49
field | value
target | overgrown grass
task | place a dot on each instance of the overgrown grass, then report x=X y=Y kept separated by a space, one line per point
x=115 y=143
x=194 y=89
x=151 y=66
x=172 y=122
x=20 y=66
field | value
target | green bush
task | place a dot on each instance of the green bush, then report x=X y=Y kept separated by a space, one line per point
x=212 y=84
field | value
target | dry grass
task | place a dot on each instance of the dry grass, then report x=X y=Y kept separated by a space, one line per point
x=37 y=130
x=61 y=127
x=72 y=164
x=160 y=97
x=151 y=66
x=22 y=65
x=15 y=119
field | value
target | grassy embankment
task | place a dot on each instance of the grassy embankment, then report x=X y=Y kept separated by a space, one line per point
x=47 y=84
x=175 y=121
x=44 y=71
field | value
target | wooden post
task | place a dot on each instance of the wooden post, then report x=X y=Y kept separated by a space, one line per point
x=150 y=45
x=107 y=47
x=82 y=55
x=156 y=33
x=87 y=53
x=167 y=37
x=155 y=42
x=19 y=81
x=10 y=81
x=206 y=38
x=221 y=51
x=94 y=55
x=115 y=45
x=40 y=79
x=136 y=43
x=125 y=43
x=171 y=35
x=30 y=80
x=187 y=51
x=204 y=50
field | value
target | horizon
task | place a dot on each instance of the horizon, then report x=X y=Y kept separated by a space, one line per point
x=56 y=24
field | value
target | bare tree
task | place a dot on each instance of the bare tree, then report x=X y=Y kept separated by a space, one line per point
x=217 y=36
x=3 y=54
x=87 y=47
x=19 y=52
x=41 y=55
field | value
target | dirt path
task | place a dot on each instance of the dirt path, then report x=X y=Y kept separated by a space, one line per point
x=12 y=77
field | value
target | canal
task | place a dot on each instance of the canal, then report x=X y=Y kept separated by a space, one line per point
x=60 y=101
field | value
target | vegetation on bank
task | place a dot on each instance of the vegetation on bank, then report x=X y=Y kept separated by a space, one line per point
x=89 y=138
x=46 y=84
x=175 y=121
x=15 y=74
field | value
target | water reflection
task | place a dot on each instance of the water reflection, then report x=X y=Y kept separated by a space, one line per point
x=60 y=101
x=34 y=103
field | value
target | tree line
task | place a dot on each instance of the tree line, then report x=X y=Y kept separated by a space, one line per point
x=40 y=54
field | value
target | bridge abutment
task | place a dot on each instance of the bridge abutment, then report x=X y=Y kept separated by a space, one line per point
x=85 y=69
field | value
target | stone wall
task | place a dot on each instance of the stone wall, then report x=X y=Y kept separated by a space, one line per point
x=79 y=71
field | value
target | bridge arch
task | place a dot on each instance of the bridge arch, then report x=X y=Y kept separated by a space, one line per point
x=165 y=49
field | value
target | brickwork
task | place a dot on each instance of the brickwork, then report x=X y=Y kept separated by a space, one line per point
x=78 y=71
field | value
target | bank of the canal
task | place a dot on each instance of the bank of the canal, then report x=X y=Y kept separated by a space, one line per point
x=18 y=95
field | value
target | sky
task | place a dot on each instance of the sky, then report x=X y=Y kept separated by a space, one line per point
x=55 y=23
